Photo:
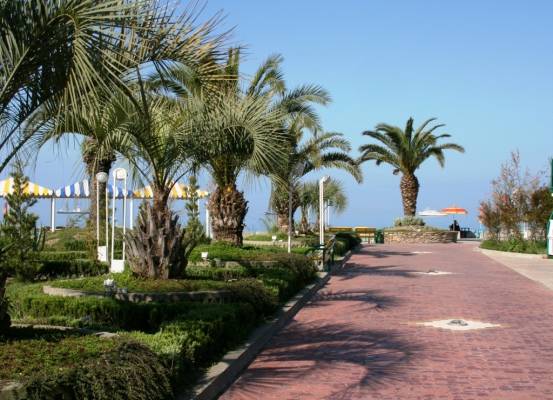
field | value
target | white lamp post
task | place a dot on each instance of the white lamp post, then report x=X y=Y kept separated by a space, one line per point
x=102 y=254
x=119 y=174
x=322 y=181
x=290 y=193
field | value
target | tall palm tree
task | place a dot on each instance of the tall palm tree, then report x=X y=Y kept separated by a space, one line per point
x=406 y=150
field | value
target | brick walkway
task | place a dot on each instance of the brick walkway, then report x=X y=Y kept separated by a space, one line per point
x=357 y=339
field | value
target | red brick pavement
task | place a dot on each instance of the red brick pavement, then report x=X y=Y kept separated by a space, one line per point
x=357 y=338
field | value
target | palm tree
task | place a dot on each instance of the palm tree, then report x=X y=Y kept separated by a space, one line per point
x=234 y=131
x=405 y=150
x=329 y=150
x=159 y=40
x=148 y=137
x=334 y=195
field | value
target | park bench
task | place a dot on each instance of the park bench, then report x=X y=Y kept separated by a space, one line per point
x=366 y=234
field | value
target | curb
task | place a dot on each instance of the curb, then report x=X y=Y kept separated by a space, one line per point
x=512 y=254
x=223 y=374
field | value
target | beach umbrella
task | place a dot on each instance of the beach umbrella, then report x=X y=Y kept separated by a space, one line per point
x=454 y=210
x=432 y=213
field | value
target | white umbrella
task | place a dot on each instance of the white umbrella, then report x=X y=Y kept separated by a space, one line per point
x=432 y=213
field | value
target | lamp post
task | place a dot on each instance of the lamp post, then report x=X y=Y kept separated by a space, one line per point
x=290 y=189
x=322 y=181
x=101 y=177
x=119 y=174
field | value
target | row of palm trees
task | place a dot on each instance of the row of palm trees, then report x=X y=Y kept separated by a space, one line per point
x=144 y=83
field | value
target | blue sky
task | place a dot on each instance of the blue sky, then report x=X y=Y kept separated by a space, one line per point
x=483 y=68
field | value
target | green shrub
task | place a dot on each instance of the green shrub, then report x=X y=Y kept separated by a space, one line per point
x=345 y=241
x=199 y=338
x=227 y=252
x=131 y=371
x=71 y=268
x=409 y=221
x=63 y=255
x=516 y=246
x=218 y=273
x=29 y=304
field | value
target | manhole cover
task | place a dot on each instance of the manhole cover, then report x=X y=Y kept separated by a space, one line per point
x=434 y=272
x=457 y=324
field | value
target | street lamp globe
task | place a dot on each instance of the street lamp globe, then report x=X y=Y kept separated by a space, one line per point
x=102 y=177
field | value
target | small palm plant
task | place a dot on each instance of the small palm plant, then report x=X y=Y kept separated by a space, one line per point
x=405 y=150
x=334 y=195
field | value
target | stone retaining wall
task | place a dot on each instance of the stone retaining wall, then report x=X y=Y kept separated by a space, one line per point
x=204 y=296
x=419 y=236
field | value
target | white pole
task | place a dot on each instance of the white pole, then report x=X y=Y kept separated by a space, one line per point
x=328 y=214
x=53 y=214
x=107 y=221
x=207 y=233
x=321 y=211
x=290 y=218
x=124 y=214
x=113 y=220
x=131 y=211
x=97 y=212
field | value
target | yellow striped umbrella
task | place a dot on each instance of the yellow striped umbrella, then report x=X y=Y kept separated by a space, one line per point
x=179 y=191
x=31 y=189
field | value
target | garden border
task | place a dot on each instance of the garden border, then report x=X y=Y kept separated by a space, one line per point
x=223 y=374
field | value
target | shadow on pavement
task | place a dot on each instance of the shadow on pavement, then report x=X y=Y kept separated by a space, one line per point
x=371 y=298
x=353 y=270
x=302 y=356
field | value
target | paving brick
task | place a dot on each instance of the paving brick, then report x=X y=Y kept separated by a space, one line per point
x=358 y=337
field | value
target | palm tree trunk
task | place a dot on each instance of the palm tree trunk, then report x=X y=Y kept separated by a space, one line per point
x=409 y=187
x=155 y=247
x=228 y=209
x=280 y=204
x=304 y=224
x=95 y=164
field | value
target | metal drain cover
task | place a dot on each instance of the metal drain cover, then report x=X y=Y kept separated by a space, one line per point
x=457 y=324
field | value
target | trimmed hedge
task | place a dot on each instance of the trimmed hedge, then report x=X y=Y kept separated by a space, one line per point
x=199 y=338
x=226 y=252
x=29 y=304
x=346 y=241
x=71 y=268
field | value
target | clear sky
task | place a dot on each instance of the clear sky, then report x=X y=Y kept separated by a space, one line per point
x=484 y=68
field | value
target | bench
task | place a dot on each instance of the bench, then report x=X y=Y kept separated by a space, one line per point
x=366 y=234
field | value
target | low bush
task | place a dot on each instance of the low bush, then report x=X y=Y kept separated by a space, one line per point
x=345 y=241
x=63 y=255
x=130 y=371
x=266 y=237
x=139 y=285
x=71 y=268
x=199 y=338
x=409 y=221
x=28 y=304
x=226 y=252
x=516 y=246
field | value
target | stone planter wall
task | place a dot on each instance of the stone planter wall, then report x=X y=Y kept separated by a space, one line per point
x=204 y=296
x=422 y=236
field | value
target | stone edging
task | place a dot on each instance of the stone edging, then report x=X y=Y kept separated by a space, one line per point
x=512 y=254
x=223 y=374
x=206 y=296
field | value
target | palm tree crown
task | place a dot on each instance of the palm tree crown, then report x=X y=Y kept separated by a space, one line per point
x=405 y=150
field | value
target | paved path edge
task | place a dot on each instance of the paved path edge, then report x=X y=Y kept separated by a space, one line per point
x=223 y=374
